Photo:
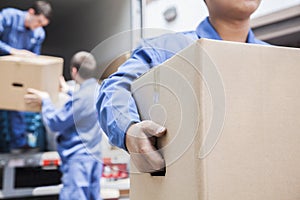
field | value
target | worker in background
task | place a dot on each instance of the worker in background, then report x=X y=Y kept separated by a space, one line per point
x=79 y=133
x=22 y=33
x=118 y=115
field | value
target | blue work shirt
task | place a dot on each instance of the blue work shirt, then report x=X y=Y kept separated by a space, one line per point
x=79 y=132
x=14 y=34
x=116 y=107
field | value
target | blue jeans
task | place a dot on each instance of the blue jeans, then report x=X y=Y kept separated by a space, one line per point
x=81 y=179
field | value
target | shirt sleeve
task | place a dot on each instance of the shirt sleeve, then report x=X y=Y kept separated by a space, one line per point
x=37 y=47
x=116 y=107
x=57 y=119
x=4 y=21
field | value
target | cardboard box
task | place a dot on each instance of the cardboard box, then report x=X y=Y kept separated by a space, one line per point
x=19 y=73
x=232 y=112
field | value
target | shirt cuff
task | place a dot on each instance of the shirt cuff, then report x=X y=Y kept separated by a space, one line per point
x=8 y=49
x=46 y=101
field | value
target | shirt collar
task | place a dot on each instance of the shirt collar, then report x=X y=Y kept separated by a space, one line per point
x=206 y=30
x=251 y=37
x=88 y=82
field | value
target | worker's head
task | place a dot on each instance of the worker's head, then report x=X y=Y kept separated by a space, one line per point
x=39 y=15
x=232 y=9
x=83 y=66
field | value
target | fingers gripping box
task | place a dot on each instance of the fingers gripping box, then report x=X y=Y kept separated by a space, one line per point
x=232 y=114
x=19 y=73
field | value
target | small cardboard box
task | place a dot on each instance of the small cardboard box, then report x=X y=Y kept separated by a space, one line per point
x=232 y=112
x=19 y=73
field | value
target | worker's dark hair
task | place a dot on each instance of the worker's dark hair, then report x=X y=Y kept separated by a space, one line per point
x=42 y=7
x=85 y=64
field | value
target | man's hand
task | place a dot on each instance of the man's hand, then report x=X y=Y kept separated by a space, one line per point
x=64 y=87
x=21 y=52
x=140 y=142
x=35 y=96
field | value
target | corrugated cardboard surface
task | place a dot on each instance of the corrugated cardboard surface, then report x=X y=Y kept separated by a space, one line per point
x=238 y=103
x=19 y=73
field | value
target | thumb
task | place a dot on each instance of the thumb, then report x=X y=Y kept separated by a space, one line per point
x=32 y=91
x=153 y=128
x=62 y=80
x=40 y=94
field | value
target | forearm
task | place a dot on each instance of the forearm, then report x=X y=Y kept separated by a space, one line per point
x=37 y=49
x=38 y=46
x=5 y=48
x=117 y=109
x=116 y=106
x=56 y=119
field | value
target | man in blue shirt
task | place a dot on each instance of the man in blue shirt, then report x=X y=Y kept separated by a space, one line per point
x=118 y=114
x=79 y=133
x=22 y=33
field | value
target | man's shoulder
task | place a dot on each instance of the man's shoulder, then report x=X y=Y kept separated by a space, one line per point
x=257 y=41
x=176 y=40
x=86 y=89
x=188 y=35
x=11 y=16
x=11 y=12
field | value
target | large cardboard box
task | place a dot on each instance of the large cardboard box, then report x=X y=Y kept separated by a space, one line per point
x=232 y=112
x=19 y=73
